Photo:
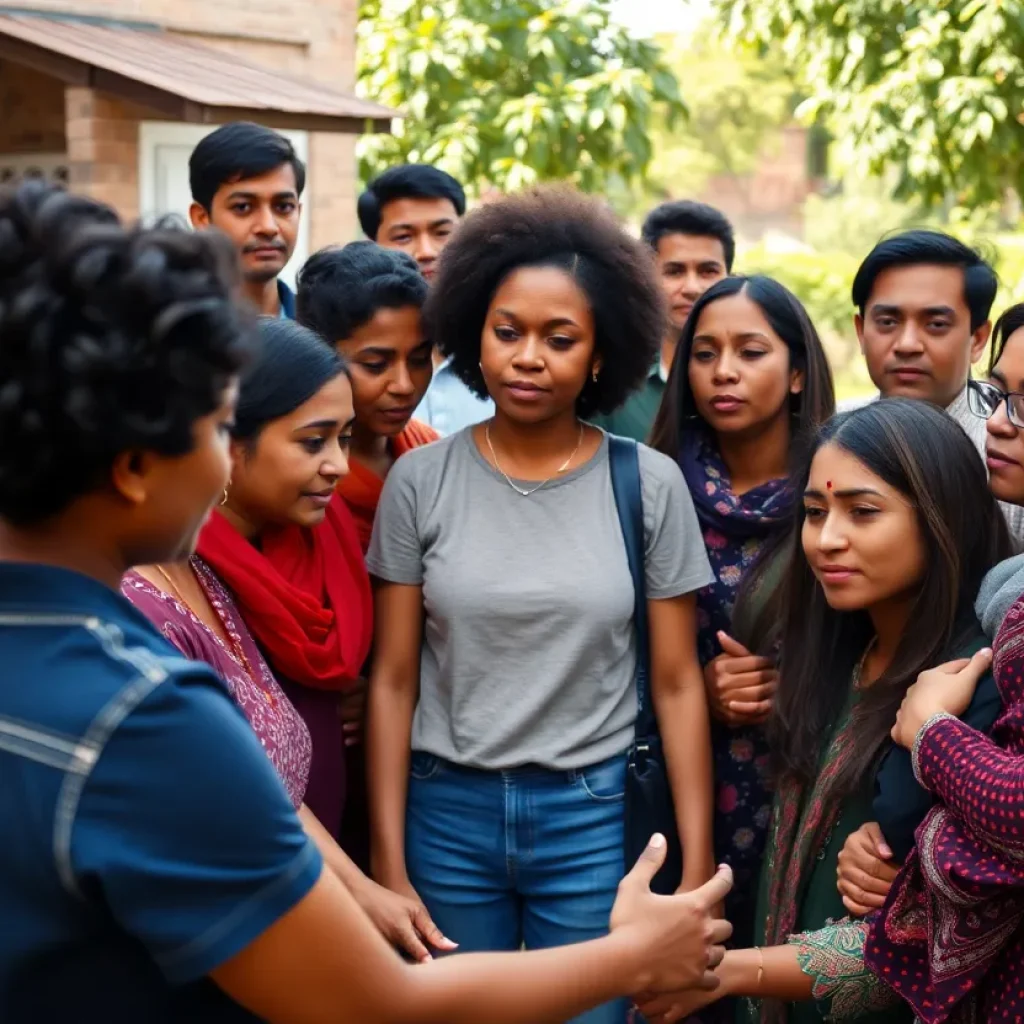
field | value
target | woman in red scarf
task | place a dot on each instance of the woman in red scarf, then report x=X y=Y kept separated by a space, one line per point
x=367 y=300
x=289 y=553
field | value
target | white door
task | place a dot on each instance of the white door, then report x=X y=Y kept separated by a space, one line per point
x=164 y=149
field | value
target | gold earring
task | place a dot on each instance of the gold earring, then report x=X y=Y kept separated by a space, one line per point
x=224 y=498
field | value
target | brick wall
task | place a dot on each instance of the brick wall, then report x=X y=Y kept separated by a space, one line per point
x=103 y=148
x=772 y=197
x=31 y=111
x=314 y=38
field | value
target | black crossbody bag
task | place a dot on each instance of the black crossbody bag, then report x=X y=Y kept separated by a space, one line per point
x=649 y=807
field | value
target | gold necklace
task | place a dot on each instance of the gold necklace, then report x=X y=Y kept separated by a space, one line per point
x=533 y=490
x=235 y=646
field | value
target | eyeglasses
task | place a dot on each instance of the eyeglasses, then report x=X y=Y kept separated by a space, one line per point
x=984 y=399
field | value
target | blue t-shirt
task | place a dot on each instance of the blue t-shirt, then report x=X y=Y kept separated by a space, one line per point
x=147 y=838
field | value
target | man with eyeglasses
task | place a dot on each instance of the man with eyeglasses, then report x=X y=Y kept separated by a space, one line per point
x=923 y=302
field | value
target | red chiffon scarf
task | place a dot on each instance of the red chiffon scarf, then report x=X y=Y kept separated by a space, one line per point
x=304 y=594
x=362 y=488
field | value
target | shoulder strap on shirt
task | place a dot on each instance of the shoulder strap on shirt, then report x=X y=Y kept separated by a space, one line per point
x=624 y=460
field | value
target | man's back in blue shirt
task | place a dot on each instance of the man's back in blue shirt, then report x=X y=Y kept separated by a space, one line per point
x=148 y=838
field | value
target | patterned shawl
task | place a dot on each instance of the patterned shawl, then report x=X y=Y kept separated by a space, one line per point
x=803 y=819
x=959 y=901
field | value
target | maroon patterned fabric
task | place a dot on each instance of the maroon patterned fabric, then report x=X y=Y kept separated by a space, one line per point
x=950 y=939
x=275 y=721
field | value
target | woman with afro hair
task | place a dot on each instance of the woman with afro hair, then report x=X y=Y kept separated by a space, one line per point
x=502 y=698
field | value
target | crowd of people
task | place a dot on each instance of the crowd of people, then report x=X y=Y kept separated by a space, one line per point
x=327 y=643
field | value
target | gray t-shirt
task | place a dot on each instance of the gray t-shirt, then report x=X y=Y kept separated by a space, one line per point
x=529 y=648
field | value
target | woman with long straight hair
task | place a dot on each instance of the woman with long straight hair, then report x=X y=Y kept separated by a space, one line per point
x=894 y=534
x=946 y=930
x=750 y=379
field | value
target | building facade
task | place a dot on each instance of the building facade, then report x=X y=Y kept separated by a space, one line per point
x=112 y=95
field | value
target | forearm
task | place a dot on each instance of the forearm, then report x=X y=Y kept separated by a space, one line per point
x=552 y=985
x=324 y=962
x=956 y=762
x=388 y=740
x=686 y=738
x=826 y=966
x=334 y=856
x=782 y=976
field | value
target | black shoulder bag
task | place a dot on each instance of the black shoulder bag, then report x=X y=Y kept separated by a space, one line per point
x=649 y=806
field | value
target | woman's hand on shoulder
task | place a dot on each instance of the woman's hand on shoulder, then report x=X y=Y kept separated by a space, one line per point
x=947 y=689
x=740 y=686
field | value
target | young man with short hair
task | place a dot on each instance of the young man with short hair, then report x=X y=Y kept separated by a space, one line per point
x=416 y=208
x=694 y=246
x=247 y=182
x=923 y=302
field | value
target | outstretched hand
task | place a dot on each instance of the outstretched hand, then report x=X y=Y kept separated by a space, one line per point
x=677 y=939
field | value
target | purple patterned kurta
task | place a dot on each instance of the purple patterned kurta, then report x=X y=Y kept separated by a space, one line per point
x=271 y=714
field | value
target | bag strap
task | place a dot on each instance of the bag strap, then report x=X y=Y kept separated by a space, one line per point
x=625 y=470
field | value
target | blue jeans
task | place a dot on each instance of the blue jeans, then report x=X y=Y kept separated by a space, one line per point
x=528 y=857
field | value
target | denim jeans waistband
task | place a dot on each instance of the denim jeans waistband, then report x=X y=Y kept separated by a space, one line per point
x=525 y=771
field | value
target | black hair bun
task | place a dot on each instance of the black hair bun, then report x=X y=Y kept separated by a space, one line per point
x=111 y=338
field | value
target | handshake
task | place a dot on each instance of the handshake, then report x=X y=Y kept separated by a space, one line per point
x=675 y=942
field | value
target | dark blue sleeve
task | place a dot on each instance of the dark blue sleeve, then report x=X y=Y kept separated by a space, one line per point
x=184 y=831
x=900 y=803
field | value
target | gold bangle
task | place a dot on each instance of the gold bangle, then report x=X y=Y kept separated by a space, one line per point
x=760 y=967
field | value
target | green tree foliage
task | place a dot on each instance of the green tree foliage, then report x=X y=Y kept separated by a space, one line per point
x=509 y=92
x=932 y=88
x=738 y=101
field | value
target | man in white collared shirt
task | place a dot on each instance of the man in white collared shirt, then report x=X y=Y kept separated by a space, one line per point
x=924 y=301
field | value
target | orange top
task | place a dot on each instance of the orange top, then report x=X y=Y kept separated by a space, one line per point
x=361 y=489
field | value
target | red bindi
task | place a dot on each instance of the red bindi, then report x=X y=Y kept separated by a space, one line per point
x=828 y=484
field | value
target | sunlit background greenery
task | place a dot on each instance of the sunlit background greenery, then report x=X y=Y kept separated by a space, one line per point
x=914 y=109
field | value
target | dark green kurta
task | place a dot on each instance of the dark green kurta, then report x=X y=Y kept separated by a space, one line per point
x=636 y=416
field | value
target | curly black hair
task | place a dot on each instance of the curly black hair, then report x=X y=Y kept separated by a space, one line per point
x=113 y=339
x=560 y=227
x=341 y=289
